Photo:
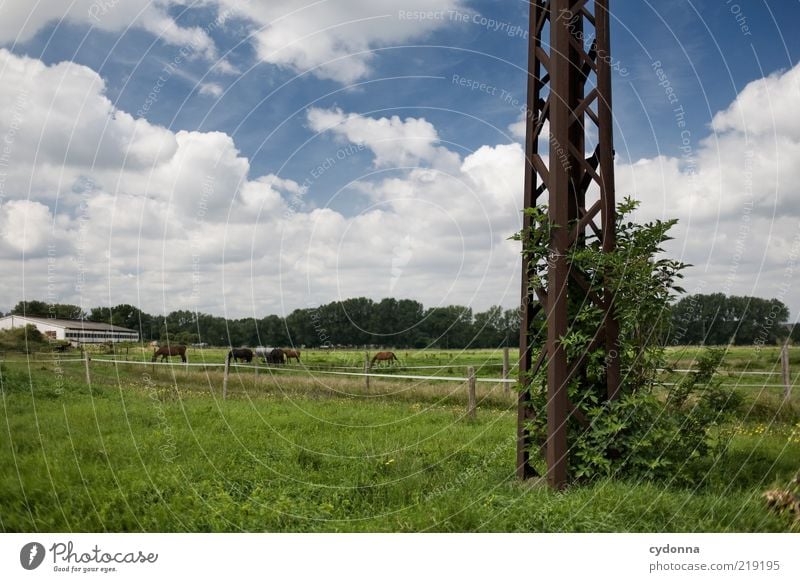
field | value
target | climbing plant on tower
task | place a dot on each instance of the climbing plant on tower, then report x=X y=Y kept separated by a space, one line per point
x=642 y=432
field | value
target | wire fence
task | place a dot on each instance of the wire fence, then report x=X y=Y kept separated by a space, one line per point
x=732 y=375
x=470 y=381
x=301 y=369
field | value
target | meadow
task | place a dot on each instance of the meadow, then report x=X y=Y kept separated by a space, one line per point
x=487 y=362
x=157 y=449
x=739 y=363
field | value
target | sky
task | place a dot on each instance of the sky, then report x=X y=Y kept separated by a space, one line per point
x=244 y=158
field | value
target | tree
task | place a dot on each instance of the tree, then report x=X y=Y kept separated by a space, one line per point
x=304 y=328
x=43 y=309
x=32 y=308
x=357 y=314
x=716 y=319
x=384 y=322
x=399 y=323
x=408 y=328
x=489 y=328
x=448 y=327
x=211 y=329
x=123 y=315
x=511 y=322
x=271 y=331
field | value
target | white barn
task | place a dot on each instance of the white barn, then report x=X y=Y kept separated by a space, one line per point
x=76 y=331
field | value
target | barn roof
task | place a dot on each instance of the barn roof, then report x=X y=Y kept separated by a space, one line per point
x=81 y=324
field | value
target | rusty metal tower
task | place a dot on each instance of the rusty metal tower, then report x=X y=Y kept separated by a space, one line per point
x=569 y=86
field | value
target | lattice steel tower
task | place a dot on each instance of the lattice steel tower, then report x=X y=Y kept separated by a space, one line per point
x=569 y=85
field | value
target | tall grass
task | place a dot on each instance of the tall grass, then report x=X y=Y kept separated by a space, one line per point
x=137 y=452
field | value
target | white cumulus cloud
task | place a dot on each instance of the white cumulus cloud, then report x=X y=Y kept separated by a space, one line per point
x=335 y=40
x=20 y=21
x=394 y=141
x=172 y=220
x=329 y=39
x=163 y=219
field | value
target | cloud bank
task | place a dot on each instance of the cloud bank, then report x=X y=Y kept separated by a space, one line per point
x=98 y=207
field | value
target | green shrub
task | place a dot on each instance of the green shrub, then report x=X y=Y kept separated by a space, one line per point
x=636 y=437
x=640 y=434
x=26 y=339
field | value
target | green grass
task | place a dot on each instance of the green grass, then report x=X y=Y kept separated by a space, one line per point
x=487 y=361
x=738 y=358
x=139 y=452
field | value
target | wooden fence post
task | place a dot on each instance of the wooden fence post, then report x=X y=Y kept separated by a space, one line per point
x=366 y=370
x=505 y=368
x=787 y=379
x=86 y=364
x=471 y=404
x=225 y=378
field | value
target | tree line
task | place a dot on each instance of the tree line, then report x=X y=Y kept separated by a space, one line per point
x=402 y=323
x=719 y=319
x=709 y=319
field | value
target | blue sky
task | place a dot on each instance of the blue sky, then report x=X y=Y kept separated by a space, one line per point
x=700 y=43
x=240 y=83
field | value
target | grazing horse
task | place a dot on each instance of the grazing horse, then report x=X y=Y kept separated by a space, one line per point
x=291 y=354
x=167 y=351
x=271 y=355
x=244 y=354
x=387 y=357
x=276 y=356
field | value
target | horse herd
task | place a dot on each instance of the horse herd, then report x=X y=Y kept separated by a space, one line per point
x=269 y=355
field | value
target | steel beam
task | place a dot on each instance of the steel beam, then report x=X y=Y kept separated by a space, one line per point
x=607 y=196
x=537 y=16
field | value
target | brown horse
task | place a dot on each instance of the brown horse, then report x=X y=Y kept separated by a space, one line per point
x=167 y=351
x=244 y=354
x=291 y=354
x=388 y=357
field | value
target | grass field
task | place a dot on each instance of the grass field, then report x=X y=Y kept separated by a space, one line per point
x=753 y=357
x=487 y=362
x=144 y=451
x=739 y=363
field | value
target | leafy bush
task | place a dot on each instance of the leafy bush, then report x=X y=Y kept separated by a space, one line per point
x=644 y=436
x=640 y=434
x=22 y=339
